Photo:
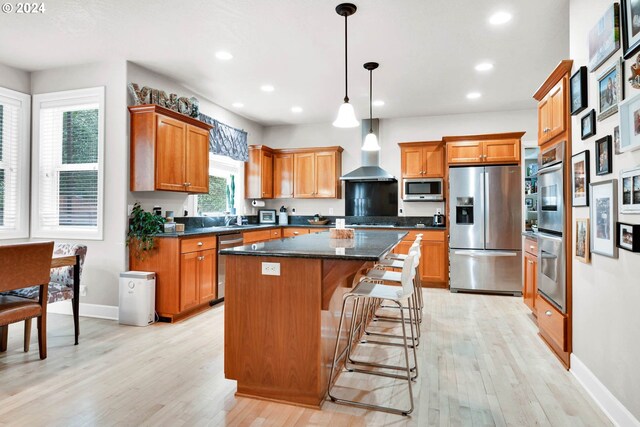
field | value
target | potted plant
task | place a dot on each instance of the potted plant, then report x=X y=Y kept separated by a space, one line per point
x=143 y=227
x=231 y=194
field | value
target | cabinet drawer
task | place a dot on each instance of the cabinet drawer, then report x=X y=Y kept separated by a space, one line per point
x=197 y=244
x=290 y=231
x=431 y=235
x=276 y=233
x=531 y=246
x=552 y=323
x=257 y=236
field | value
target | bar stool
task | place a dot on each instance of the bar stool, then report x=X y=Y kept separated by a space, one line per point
x=371 y=290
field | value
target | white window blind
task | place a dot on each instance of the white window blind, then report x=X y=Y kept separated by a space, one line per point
x=68 y=164
x=14 y=164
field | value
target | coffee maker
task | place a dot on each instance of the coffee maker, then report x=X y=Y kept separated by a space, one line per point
x=438 y=219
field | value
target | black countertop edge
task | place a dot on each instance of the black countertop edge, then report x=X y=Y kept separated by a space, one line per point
x=219 y=231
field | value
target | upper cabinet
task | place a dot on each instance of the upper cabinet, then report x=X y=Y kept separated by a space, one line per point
x=308 y=173
x=552 y=112
x=258 y=173
x=422 y=159
x=169 y=151
x=500 y=148
x=282 y=175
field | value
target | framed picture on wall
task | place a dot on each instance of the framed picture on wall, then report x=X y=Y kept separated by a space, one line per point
x=628 y=236
x=603 y=215
x=603 y=156
x=588 y=125
x=579 y=91
x=630 y=124
x=630 y=200
x=610 y=90
x=582 y=240
x=580 y=178
x=604 y=37
x=630 y=27
x=616 y=139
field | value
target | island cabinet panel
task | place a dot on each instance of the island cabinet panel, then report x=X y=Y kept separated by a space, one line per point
x=186 y=274
x=168 y=151
x=282 y=176
x=258 y=173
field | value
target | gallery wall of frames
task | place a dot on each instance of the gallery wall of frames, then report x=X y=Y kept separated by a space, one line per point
x=605 y=167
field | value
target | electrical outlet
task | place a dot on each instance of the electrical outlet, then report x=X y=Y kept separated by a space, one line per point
x=129 y=210
x=270 y=268
x=330 y=211
x=83 y=290
x=293 y=210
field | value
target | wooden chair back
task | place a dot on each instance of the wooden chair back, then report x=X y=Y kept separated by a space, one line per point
x=24 y=265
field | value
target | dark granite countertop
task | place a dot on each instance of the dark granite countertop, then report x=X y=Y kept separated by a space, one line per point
x=252 y=227
x=365 y=246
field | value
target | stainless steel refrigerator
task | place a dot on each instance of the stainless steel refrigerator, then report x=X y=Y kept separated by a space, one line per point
x=485 y=216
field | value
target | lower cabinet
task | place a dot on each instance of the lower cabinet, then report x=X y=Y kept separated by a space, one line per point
x=434 y=258
x=530 y=288
x=552 y=324
x=186 y=274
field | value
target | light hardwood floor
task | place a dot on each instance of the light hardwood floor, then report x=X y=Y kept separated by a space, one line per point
x=481 y=364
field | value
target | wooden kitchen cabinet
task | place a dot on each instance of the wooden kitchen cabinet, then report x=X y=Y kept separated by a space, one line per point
x=552 y=112
x=169 y=151
x=316 y=173
x=484 y=149
x=434 y=261
x=282 y=175
x=422 y=159
x=291 y=231
x=258 y=173
x=186 y=274
x=530 y=287
x=552 y=324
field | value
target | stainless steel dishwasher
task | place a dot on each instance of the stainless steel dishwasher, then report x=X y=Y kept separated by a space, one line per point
x=225 y=241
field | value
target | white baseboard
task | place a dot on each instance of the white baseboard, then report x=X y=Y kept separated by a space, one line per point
x=617 y=413
x=98 y=311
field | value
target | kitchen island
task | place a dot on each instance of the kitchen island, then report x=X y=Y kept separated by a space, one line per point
x=282 y=307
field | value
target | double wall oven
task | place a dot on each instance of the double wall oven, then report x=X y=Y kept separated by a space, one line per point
x=551 y=232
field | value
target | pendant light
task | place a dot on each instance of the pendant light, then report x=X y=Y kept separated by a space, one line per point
x=346 y=115
x=371 y=140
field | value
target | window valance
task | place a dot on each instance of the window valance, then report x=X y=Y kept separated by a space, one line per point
x=226 y=140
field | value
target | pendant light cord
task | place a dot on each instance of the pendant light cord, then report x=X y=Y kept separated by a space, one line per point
x=370 y=101
x=346 y=78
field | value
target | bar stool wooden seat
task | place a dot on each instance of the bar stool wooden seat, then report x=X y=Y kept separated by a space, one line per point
x=368 y=290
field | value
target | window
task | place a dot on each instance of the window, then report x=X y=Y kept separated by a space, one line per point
x=14 y=164
x=67 y=164
x=215 y=203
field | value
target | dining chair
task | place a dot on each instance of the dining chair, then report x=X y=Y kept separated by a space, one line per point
x=24 y=265
x=63 y=285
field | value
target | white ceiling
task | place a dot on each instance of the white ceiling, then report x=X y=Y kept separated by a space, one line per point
x=427 y=50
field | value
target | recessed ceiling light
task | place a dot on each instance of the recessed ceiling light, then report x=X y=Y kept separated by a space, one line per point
x=296 y=109
x=500 y=18
x=378 y=103
x=474 y=95
x=484 y=66
x=238 y=104
x=267 y=88
x=225 y=56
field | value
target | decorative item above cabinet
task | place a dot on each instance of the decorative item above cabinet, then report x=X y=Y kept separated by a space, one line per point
x=169 y=151
x=301 y=173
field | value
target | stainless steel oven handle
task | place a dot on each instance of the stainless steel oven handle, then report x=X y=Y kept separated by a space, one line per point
x=485 y=254
x=549 y=169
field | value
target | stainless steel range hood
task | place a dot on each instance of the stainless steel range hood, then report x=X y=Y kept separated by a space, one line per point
x=369 y=171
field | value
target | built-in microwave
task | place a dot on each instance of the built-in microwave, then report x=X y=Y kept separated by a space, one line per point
x=423 y=189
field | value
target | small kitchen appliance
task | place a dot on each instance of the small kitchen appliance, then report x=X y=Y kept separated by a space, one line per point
x=423 y=189
x=267 y=216
x=137 y=298
x=283 y=216
x=438 y=219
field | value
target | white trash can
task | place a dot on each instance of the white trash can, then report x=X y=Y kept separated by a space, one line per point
x=137 y=300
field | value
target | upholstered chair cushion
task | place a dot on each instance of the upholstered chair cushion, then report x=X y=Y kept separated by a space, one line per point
x=61 y=280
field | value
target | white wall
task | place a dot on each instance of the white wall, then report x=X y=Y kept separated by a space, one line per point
x=15 y=79
x=392 y=131
x=176 y=201
x=106 y=258
x=606 y=318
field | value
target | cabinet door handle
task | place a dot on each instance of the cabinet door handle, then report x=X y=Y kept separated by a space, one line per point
x=200 y=243
x=187 y=184
x=548 y=312
x=200 y=258
x=529 y=261
x=296 y=232
x=531 y=247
